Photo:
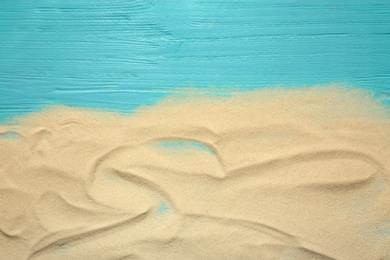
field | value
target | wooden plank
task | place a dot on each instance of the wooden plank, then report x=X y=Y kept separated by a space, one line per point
x=118 y=55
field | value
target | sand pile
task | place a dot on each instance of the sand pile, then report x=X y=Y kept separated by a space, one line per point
x=267 y=174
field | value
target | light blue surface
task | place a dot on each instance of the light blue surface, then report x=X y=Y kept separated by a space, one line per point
x=120 y=54
x=10 y=136
x=185 y=145
x=162 y=209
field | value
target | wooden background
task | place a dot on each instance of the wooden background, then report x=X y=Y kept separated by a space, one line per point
x=120 y=54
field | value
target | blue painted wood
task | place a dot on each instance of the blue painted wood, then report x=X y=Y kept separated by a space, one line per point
x=120 y=54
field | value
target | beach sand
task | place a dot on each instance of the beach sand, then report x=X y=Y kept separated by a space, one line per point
x=265 y=174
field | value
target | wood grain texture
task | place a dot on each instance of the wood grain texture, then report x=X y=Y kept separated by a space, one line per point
x=120 y=54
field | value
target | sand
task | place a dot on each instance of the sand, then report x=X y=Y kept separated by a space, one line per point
x=266 y=174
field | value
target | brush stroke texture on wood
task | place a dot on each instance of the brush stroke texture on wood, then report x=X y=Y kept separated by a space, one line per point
x=120 y=54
